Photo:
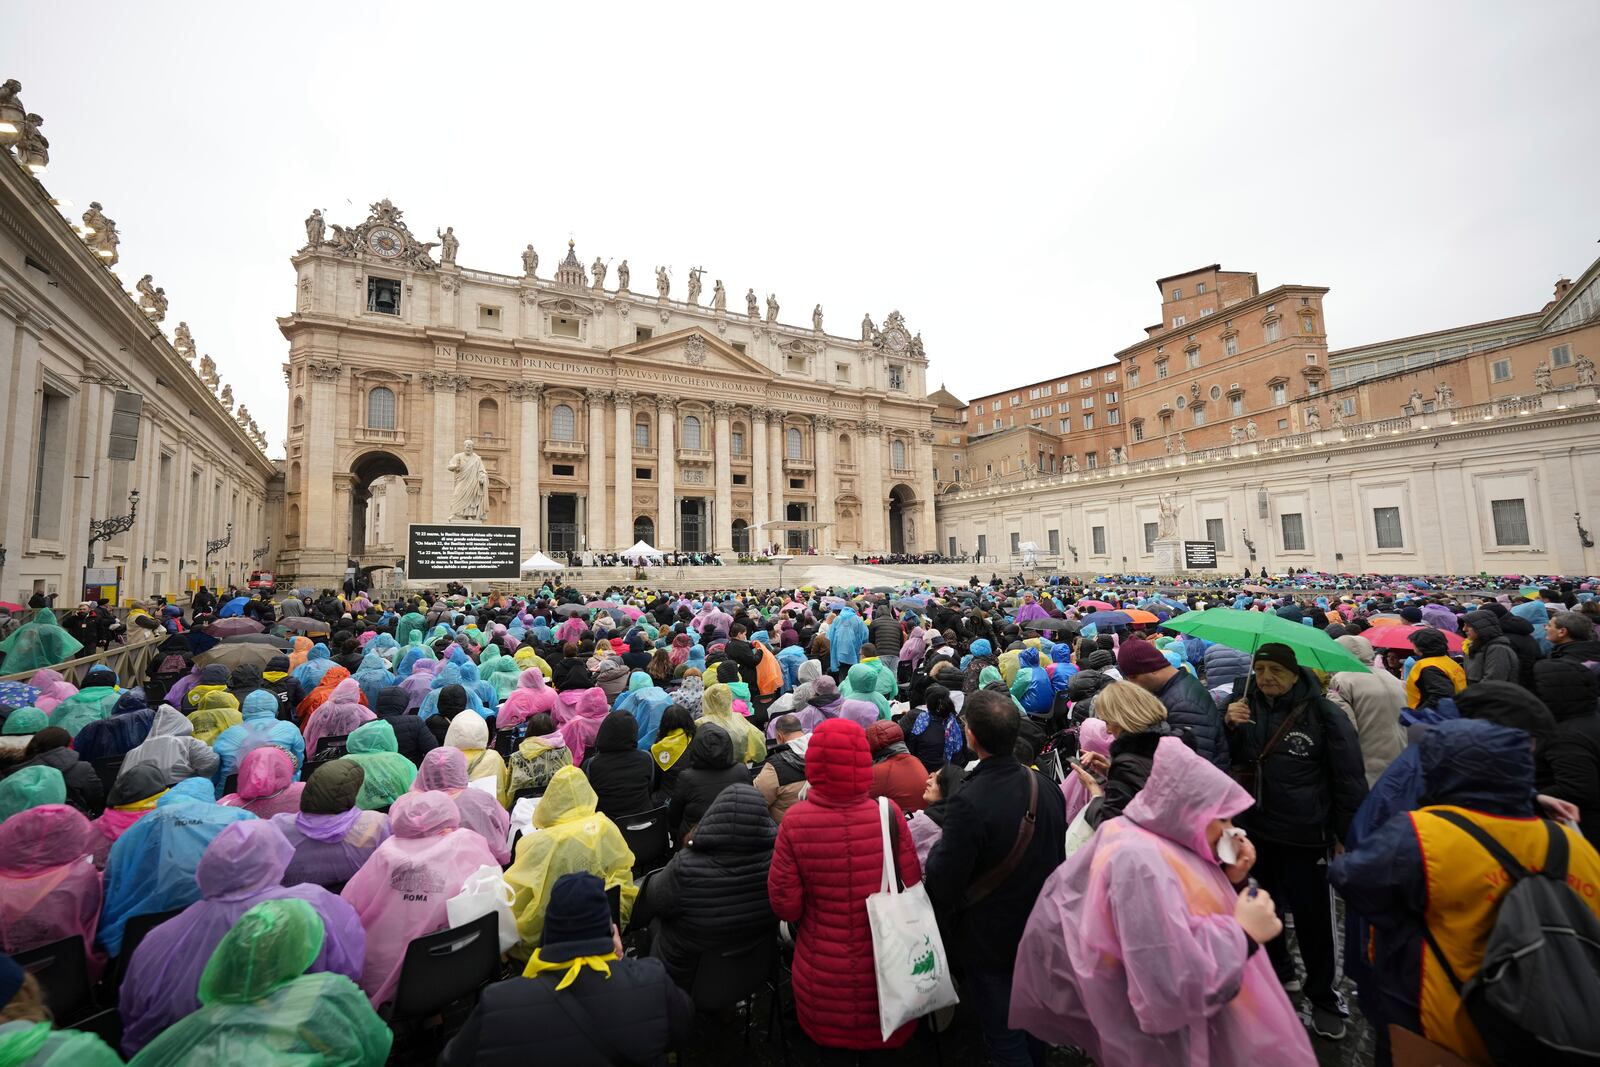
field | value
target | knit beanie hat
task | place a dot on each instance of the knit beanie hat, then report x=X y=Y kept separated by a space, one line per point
x=1273 y=652
x=1139 y=657
x=577 y=921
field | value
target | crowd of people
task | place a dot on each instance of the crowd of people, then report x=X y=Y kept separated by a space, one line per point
x=1112 y=814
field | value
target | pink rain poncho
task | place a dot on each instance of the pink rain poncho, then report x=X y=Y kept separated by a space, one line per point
x=266 y=784
x=578 y=715
x=48 y=889
x=241 y=867
x=400 y=893
x=53 y=689
x=1092 y=737
x=532 y=696
x=444 y=770
x=1132 y=951
x=338 y=716
x=418 y=682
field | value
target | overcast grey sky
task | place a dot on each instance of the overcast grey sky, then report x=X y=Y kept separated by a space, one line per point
x=1012 y=178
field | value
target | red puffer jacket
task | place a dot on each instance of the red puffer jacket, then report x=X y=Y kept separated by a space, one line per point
x=828 y=860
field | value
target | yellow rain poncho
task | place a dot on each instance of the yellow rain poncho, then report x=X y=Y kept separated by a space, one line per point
x=526 y=657
x=568 y=836
x=748 y=744
x=216 y=713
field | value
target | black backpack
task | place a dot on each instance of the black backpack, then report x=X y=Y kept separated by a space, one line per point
x=1533 y=999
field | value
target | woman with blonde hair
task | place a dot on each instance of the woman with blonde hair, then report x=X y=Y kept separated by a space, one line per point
x=1137 y=722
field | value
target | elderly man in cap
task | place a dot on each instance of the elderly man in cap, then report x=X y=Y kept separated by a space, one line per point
x=579 y=1000
x=1301 y=758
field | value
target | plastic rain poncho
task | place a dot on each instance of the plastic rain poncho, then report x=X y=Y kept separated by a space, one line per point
x=846 y=635
x=578 y=714
x=387 y=774
x=48 y=890
x=444 y=770
x=470 y=733
x=172 y=748
x=569 y=836
x=1132 y=951
x=532 y=696
x=332 y=841
x=373 y=676
x=260 y=1008
x=39 y=1045
x=52 y=687
x=83 y=707
x=749 y=745
x=39 y=642
x=151 y=866
x=400 y=893
x=472 y=681
x=318 y=662
x=417 y=681
x=266 y=784
x=647 y=707
x=862 y=684
x=240 y=869
x=31 y=787
x=449 y=674
x=261 y=726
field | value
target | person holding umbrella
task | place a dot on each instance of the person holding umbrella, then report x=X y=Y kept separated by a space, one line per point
x=1300 y=757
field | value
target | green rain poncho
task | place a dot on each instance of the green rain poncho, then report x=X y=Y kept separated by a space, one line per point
x=29 y=720
x=84 y=707
x=388 y=774
x=37 y=1045
x=259 y=1007
x=41 y=642
x=861 y=683
x=31 y=787
x=410 y=623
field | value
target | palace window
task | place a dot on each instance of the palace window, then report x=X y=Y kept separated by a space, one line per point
x=1113 y=417
x=1064 y=426
x=1274 y=330
x=383 y=295
x=1500 y=370
x=1216 y=392
x=1236 y=404
x=1178 y=320
x=1199 y=415
x=794 y=444
x=1510 y=521
x=1109 y=376
x=1561 y=355
x=1138 y=429
x=1111 y=397
x=1207 y=312
x=1386 y=524
x=1192 y=356
x=1091 y=460
x=1088 y=420
x=1230 y=345
x=1133 y=377
x=1294 y=531
x=1280 y=393
x=691 y=431
x=1199 y=288
x=380 y=409
x=1161 y=369
x=1177 y=294
x=563 y=424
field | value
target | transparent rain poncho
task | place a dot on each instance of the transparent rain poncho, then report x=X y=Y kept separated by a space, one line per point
x=174 y=750
x=388 y=774
x=241 y=868
x=749 y=746
x=39 y=1045
x=39 y=642
x=445 y=770
x=401 y=891
x=83 y=707
x=260 y=1007
x=569 y=836
x=31 y=787
x=261 y=726
x=47 y=889
x=151 y=866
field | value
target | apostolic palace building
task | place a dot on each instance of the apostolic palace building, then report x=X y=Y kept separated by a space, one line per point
x=611 y=404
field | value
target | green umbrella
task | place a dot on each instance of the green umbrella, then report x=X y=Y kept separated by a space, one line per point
x=1249 y=630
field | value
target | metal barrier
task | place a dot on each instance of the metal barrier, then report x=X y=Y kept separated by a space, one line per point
x=130 y=662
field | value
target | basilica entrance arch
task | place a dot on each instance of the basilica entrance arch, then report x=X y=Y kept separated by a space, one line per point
x=902 y=522
x=366 y=469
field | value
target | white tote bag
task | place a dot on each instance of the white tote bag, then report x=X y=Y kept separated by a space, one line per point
x=913 y=972
x=485 y=890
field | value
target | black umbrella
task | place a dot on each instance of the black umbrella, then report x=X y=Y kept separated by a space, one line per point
x=305 y=624
x=1050 y=625
x=279 y=643
x=888 y=589
x=571 y=609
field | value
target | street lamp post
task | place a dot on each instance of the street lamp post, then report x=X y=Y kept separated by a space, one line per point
x=223 y=542
x=106 y=529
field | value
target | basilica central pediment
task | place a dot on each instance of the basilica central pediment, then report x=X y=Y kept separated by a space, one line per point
x=694 y=349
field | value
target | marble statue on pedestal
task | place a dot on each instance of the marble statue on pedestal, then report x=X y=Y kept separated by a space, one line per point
x=316 y=229
x=663 y=282
x=1585 y=368
x=448 y=245
x=530 y=262
x=719 y=297
x=752 y=305
x=469 y=499
x=622 y=276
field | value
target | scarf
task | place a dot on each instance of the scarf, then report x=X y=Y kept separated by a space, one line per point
x=537 y=965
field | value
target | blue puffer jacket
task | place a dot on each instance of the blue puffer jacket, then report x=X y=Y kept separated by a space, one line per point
x=1225 y=665
x=1190 y=706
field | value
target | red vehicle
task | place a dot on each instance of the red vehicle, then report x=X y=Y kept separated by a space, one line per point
x=260 y=580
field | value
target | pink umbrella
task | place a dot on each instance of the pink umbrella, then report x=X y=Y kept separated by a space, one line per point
x=234 y=627
x=631 y=611
x=1098 y=605
x=1399 y=637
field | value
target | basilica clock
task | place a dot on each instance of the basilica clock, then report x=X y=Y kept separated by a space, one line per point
x=385 y=242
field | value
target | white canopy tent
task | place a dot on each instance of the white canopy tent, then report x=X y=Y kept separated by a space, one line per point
x=541 y=562
x=641 y=550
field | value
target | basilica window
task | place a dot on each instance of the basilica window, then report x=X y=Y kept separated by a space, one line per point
x=736 y=439
x=794 y=444
x=50 y=464
x=897 y=455
x=897 y=377
x=488 y=418
x=383 y=295
x=641 y=433
x=380 y=409
x=563 y=424
x=691 y=431
x=844 y=457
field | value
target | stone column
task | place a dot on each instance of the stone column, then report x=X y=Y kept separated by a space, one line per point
x=759 y=502
x=927 y=489
x=544 y=521
x=530 y=461
x=775 y=469
x=622 y=494
x=666 y=472
x=874 y=498
x=317 y=506
x=597 y=532
x=343 y=486
x=822 y=454
x=722 y=521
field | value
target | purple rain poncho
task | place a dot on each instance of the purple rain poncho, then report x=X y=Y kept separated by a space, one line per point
x=444 y=770
x=241 y=867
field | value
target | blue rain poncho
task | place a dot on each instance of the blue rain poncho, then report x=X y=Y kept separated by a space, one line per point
x=373 y=676
x=472 y=681
x=846 y=635
x=261 y=726
x=646 y=705
x=151 y=867
x=449 y=674
x=319 y=661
